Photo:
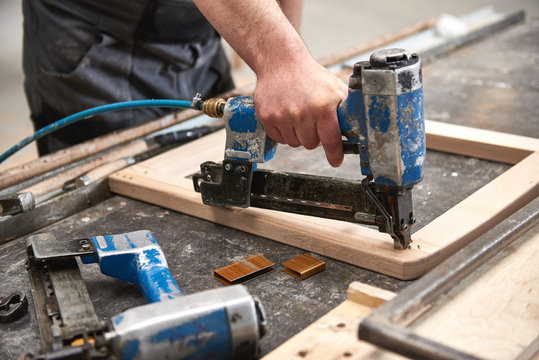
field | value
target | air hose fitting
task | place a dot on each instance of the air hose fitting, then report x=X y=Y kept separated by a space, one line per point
x=214 y=107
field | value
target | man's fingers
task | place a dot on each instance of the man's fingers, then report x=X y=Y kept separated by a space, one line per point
x=306 y=132
x=302 y=110
x=283 y=135
x=331 y=139
x=274 y=133
x=291 y=138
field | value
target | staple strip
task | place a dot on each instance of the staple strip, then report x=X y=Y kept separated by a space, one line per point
x=243 y=270
x=304 y=266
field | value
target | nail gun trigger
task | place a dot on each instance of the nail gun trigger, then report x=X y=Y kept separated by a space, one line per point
x=13 y=307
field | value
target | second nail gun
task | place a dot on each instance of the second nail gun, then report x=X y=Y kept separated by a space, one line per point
x=224 y=323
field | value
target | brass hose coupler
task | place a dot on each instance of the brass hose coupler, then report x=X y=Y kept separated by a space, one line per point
x=214 y=107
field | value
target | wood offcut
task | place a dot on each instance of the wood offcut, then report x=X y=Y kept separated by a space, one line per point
x=304 y=266
x=243 y=270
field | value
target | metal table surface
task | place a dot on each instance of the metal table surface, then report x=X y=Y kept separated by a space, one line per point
x=491 y=84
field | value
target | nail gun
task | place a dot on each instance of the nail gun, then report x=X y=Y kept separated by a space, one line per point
x=218 y=324
x=382 y=120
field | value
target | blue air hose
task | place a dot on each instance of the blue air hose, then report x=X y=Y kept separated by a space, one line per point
x=91 y=112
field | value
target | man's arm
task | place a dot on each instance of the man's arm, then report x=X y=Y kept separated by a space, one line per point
x=295 y=97
x=292 y=9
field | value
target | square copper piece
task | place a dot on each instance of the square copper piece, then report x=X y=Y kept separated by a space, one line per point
x=243 y=270
x=304 y=266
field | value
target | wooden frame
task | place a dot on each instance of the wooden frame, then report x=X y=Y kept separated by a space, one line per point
x=163 y=181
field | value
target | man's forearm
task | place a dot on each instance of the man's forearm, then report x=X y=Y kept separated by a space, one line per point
x=292 y=9
x=295 y=97
x=255 y=29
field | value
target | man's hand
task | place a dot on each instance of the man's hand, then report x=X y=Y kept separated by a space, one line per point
x=297 y=104
x=295 y=98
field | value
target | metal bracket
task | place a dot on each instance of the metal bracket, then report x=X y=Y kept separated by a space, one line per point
x=47 y=246
x=388 y=220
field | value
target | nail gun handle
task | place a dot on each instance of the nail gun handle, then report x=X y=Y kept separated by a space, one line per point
x=136 y=258
x=246 y=139
x=157 y=283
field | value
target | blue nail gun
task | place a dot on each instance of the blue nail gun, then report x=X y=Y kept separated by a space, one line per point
x=225 y=323
x=382 y=120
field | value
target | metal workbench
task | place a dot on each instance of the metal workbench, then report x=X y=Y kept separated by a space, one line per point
x=491 y=84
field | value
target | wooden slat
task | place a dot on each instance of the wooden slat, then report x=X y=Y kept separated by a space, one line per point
x=494 y=313
x=56 y=182
x=479 y=143
x=380 y=41
x=478 y=213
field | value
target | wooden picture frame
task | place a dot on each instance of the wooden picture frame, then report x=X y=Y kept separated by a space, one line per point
x=163 y=181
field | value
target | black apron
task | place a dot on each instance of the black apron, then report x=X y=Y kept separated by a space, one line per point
x=85 y=53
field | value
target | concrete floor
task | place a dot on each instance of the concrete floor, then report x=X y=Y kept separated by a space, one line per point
x=327 y=27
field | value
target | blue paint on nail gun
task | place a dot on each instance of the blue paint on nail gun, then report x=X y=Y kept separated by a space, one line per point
x=383 y=114
x=379 y=113
x=246 y=138
x=412 y=135
x=208 y=333
x=136 y=258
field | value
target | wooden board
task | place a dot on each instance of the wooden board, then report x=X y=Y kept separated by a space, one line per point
x=164 y=180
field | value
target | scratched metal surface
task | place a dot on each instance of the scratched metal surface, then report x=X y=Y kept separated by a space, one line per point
x=491 y=84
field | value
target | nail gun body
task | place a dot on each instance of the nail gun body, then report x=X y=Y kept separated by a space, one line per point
x=382 y=120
